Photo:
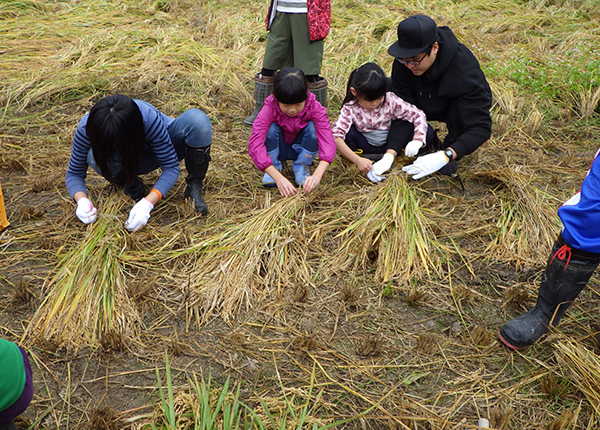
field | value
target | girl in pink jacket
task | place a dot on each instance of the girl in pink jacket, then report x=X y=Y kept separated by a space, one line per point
x=292 y=125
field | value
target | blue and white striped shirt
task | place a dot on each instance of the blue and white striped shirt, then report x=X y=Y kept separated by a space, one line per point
x=292 y=6
x=157 y=141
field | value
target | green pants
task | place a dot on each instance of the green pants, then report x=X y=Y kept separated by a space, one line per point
x=289 y=45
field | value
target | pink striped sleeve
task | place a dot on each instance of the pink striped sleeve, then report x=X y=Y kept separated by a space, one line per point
x=343 y=123
x=411 y=113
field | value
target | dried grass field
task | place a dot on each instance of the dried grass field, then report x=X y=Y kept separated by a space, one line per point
x=365 y=306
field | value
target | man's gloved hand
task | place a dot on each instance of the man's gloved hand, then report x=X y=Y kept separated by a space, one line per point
x=139 y=215
x=412 y=148
x=426 y=165
x=86 y=212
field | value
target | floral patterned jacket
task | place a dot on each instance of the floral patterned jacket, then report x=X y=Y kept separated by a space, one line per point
x=318 y=15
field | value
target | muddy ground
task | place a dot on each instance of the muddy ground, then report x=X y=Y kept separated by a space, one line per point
x=417 y=354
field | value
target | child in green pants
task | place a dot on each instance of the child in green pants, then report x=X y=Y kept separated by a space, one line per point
x=297 y=29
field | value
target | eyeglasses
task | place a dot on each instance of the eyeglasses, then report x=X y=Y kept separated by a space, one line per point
x=411 y=62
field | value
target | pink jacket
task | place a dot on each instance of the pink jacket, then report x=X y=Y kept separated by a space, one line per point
x=271 y=113
x=318 y=15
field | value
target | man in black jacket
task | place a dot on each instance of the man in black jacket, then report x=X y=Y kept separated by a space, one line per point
x=443 y=78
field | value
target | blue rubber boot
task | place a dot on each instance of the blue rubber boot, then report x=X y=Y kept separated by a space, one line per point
x=300 y=166
x=267 y=181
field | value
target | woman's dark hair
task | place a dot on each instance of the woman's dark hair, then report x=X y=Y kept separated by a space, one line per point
x=290 y=86
x=368 y=81
x=115 y=124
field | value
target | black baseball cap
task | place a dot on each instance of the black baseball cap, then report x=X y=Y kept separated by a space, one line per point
x=415 y=34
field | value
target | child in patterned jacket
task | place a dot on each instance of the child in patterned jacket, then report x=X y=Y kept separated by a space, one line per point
x=365 y=119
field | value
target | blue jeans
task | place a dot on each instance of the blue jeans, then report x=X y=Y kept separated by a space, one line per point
x=192 y=128
x=306 y=138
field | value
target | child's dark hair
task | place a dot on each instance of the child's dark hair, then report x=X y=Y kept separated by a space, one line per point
x=368 y=81
x=290 y=86
x=115 y=124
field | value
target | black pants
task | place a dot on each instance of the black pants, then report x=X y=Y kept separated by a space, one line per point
x=401 y=132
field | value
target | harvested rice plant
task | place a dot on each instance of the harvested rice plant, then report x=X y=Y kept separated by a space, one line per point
x=358 y=306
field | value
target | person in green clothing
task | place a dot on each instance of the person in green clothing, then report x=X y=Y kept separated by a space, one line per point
x=297 y=29
x=16 y=383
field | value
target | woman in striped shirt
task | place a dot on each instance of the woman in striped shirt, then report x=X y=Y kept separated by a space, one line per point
x=121 y=138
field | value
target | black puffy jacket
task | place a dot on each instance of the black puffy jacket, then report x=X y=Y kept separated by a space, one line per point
x=454 y=91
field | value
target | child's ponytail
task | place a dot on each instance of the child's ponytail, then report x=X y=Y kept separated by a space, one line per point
x=349 y=96
x=369 y=83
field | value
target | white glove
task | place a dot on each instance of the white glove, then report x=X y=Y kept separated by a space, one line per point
x=426 y=164
x=86 y=212
x=379 y=168
x=374 y=177
x=383 y=165
x=139 y=215
x=412 y=148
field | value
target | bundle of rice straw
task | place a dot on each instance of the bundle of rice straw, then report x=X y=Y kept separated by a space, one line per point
x=241 y=265
x=583 y=368
x=528 y=224
x=87 y=300
x=393 y=228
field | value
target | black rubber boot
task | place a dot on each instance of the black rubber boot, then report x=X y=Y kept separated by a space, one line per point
x=263 y=87
x=196 y=163
x=319 y=89
x=567 y=273
x=137 y=190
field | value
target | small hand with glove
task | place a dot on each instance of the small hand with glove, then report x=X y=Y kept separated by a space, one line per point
x=139 y=215
x=428 y=164
x=380 y=167
x=412 y=148
x=86 y=212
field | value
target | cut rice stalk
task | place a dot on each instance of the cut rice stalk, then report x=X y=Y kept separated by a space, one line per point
x=247 y=260
x=583 y=368
x=527 y=225
x=87 y=300
x=394 y=229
